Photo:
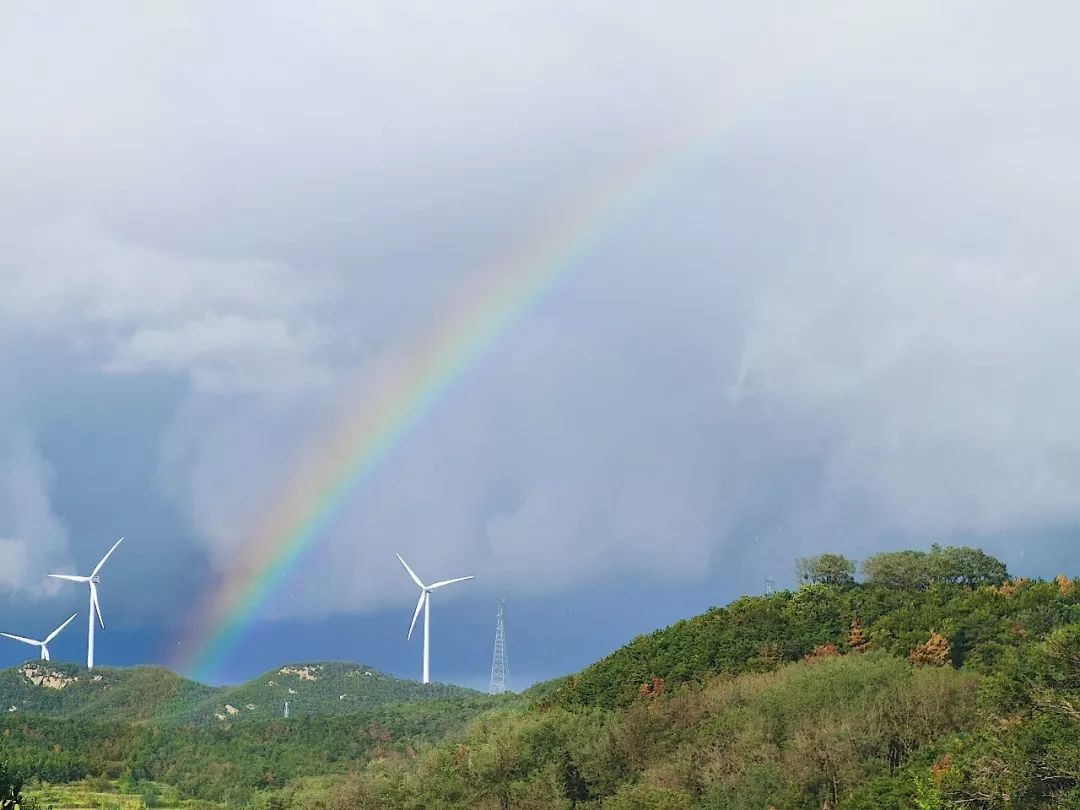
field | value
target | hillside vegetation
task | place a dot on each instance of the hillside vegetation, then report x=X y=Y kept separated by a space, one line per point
x=68 y=690
x=936 y=682
x=322 y=688
x=139 y=694
x=65 y=723
x=913 y=596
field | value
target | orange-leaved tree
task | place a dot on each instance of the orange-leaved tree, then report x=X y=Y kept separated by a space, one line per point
x=934 y=653
x=822 y=651
x=857 y=640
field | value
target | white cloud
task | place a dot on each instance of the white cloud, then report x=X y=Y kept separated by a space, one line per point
x=231 y=325
x=33 y=540
x=225 y=353
x=74 y=272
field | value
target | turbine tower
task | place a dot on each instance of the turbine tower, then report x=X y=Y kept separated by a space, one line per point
x=48 y=638
x=425 y=604
x=95 y=608
x=500 y=661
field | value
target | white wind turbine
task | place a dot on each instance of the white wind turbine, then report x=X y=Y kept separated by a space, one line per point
x=48 y=638
x=425 y=603
x=95 y=608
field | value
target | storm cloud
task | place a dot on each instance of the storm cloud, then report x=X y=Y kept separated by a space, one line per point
x=846 y=323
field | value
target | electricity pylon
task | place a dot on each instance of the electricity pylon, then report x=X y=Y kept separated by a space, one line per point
x=500 y=662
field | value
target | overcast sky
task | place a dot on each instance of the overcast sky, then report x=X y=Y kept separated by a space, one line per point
x=849 y=323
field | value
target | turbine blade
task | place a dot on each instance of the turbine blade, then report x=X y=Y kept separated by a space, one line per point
x=103 y=559
x=448 y=582
x=56 y=632
x=96 y=604
x=416 y=613
x=23 y=639
x=412 y=574
x=70 y=577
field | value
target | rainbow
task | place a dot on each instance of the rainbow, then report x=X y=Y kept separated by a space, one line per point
x=336 y=468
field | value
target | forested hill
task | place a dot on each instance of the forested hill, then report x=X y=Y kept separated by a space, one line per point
x=320 y=688
x=62 y=723
x=128 y=694
x=937 y=681
x=959 y=594
x=140 y=694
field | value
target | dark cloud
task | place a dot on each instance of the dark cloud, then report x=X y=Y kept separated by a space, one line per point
x=846 y=323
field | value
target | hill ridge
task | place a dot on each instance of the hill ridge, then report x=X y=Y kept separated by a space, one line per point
x=148 y=692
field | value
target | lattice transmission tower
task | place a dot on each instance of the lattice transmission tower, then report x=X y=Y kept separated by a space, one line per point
x=500 y=661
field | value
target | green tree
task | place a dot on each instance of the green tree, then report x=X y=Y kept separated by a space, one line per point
x=574 y=787
x=905 y=570
x=1026 y=756
x=825 y=569
x=10 y=789
x=962 y=565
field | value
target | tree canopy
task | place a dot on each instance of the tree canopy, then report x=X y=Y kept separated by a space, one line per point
x=825 y=569
x=916 y=570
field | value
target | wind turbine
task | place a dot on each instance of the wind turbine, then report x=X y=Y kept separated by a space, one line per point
x=95 y=608
x=425 y=603
x=48 y=638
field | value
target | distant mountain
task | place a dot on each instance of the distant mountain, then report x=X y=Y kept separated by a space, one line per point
x=154 y=694
x=320 y=688
x=61 y=723
x=132 y=694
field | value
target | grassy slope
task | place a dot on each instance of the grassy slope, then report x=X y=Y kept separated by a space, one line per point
x=84 y=795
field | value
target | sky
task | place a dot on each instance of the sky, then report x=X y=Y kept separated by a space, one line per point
x=844 y=320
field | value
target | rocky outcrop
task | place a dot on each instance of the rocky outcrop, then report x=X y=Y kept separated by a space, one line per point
x=46 y=677
x=308 y=673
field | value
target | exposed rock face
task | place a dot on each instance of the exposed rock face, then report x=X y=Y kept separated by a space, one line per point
x=309 y=673
x=231 y=709
x=46 y=676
